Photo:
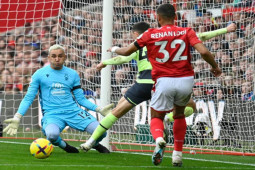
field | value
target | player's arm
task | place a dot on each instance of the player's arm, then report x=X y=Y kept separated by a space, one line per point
x=81 y=99
x=14 y=122
x=205 y=53
x=116 y=61
x=125 y=51
x=211 y=34
x=208 y=57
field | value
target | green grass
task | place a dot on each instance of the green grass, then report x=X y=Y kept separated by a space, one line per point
x=16 y=155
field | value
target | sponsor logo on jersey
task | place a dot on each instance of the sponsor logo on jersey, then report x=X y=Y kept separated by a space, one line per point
x=57 y=89
x=57 y=85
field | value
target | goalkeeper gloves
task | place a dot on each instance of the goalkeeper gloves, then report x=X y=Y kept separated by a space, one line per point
x=12 y=128
x=105 y=110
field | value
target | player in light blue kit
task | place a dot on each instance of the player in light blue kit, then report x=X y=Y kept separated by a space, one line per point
x=60 y=96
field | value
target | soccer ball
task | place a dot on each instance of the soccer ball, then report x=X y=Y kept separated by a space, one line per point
x=41 y=148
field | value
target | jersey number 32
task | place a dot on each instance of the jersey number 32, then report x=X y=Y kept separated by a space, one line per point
x=177 y=56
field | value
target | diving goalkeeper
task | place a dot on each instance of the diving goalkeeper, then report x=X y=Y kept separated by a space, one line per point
x=141 y=90
x=59 y=91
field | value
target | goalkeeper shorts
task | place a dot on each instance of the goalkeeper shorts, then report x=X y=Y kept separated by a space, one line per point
x=77 y=119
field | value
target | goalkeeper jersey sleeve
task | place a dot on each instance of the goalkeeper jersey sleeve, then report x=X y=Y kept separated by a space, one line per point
x=31 y=93
x=79 y=96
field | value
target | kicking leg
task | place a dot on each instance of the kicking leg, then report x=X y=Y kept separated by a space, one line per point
x=106 y=123
x=90 y=129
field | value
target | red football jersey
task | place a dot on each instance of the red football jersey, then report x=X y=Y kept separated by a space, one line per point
x=168 y=49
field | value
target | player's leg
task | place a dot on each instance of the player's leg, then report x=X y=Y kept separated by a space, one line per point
x=52 y=131
x=189 y=110
x=90 y=129
x=106 y=123
x=133 y=96
x=157 y=131
x=161 y=103
x=183 y=88
x=83 y=121
x=179 y=131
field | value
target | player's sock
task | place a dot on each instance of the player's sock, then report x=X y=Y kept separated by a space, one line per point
x=59 y=142
x=179 y=130
x=157 y=128
x=105 y=124
x=91 y=128
x=187 y=112
x=100 y=148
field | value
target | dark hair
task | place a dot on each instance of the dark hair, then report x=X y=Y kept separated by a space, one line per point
x=141 y=27
x=166 y=10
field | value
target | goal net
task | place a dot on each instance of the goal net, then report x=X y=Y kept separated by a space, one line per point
x=224 y=120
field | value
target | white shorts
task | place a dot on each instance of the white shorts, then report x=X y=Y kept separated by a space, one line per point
x=170 y=91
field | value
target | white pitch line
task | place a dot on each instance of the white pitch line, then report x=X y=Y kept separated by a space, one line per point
x=196 y=159
x=100 y=166
x=19 y=143
x=203 y=160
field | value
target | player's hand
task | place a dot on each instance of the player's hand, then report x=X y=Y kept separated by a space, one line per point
x=113 y=49
x=12 y=128
x=216 y=71
x=100 y=66
x=105 y=110
x=231 y=28
x=109 y=49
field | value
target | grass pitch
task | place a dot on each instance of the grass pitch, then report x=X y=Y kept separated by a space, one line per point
x=15 y=154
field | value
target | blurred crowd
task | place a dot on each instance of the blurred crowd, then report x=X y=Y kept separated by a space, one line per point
x=25 y=49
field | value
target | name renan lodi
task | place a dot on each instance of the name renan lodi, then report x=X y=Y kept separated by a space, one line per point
x=168 y=33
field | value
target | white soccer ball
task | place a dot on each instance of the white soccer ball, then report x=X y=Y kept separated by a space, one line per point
x=41 y=148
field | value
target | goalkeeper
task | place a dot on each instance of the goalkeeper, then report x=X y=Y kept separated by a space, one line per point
x=60 y=93
x=141 y=90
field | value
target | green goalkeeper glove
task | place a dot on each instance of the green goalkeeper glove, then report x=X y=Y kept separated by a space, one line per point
x=12 y=128
x=105 y=110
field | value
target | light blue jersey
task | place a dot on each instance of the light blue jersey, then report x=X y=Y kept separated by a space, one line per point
x=55 y=91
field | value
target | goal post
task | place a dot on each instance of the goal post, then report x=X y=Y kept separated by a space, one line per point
x=224 y=120
x=105 y=97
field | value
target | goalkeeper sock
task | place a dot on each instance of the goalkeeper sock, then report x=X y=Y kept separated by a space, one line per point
x=105 y=124
x=179 y=130
x=187 y=112
x=59 y=142
x=157 y=128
